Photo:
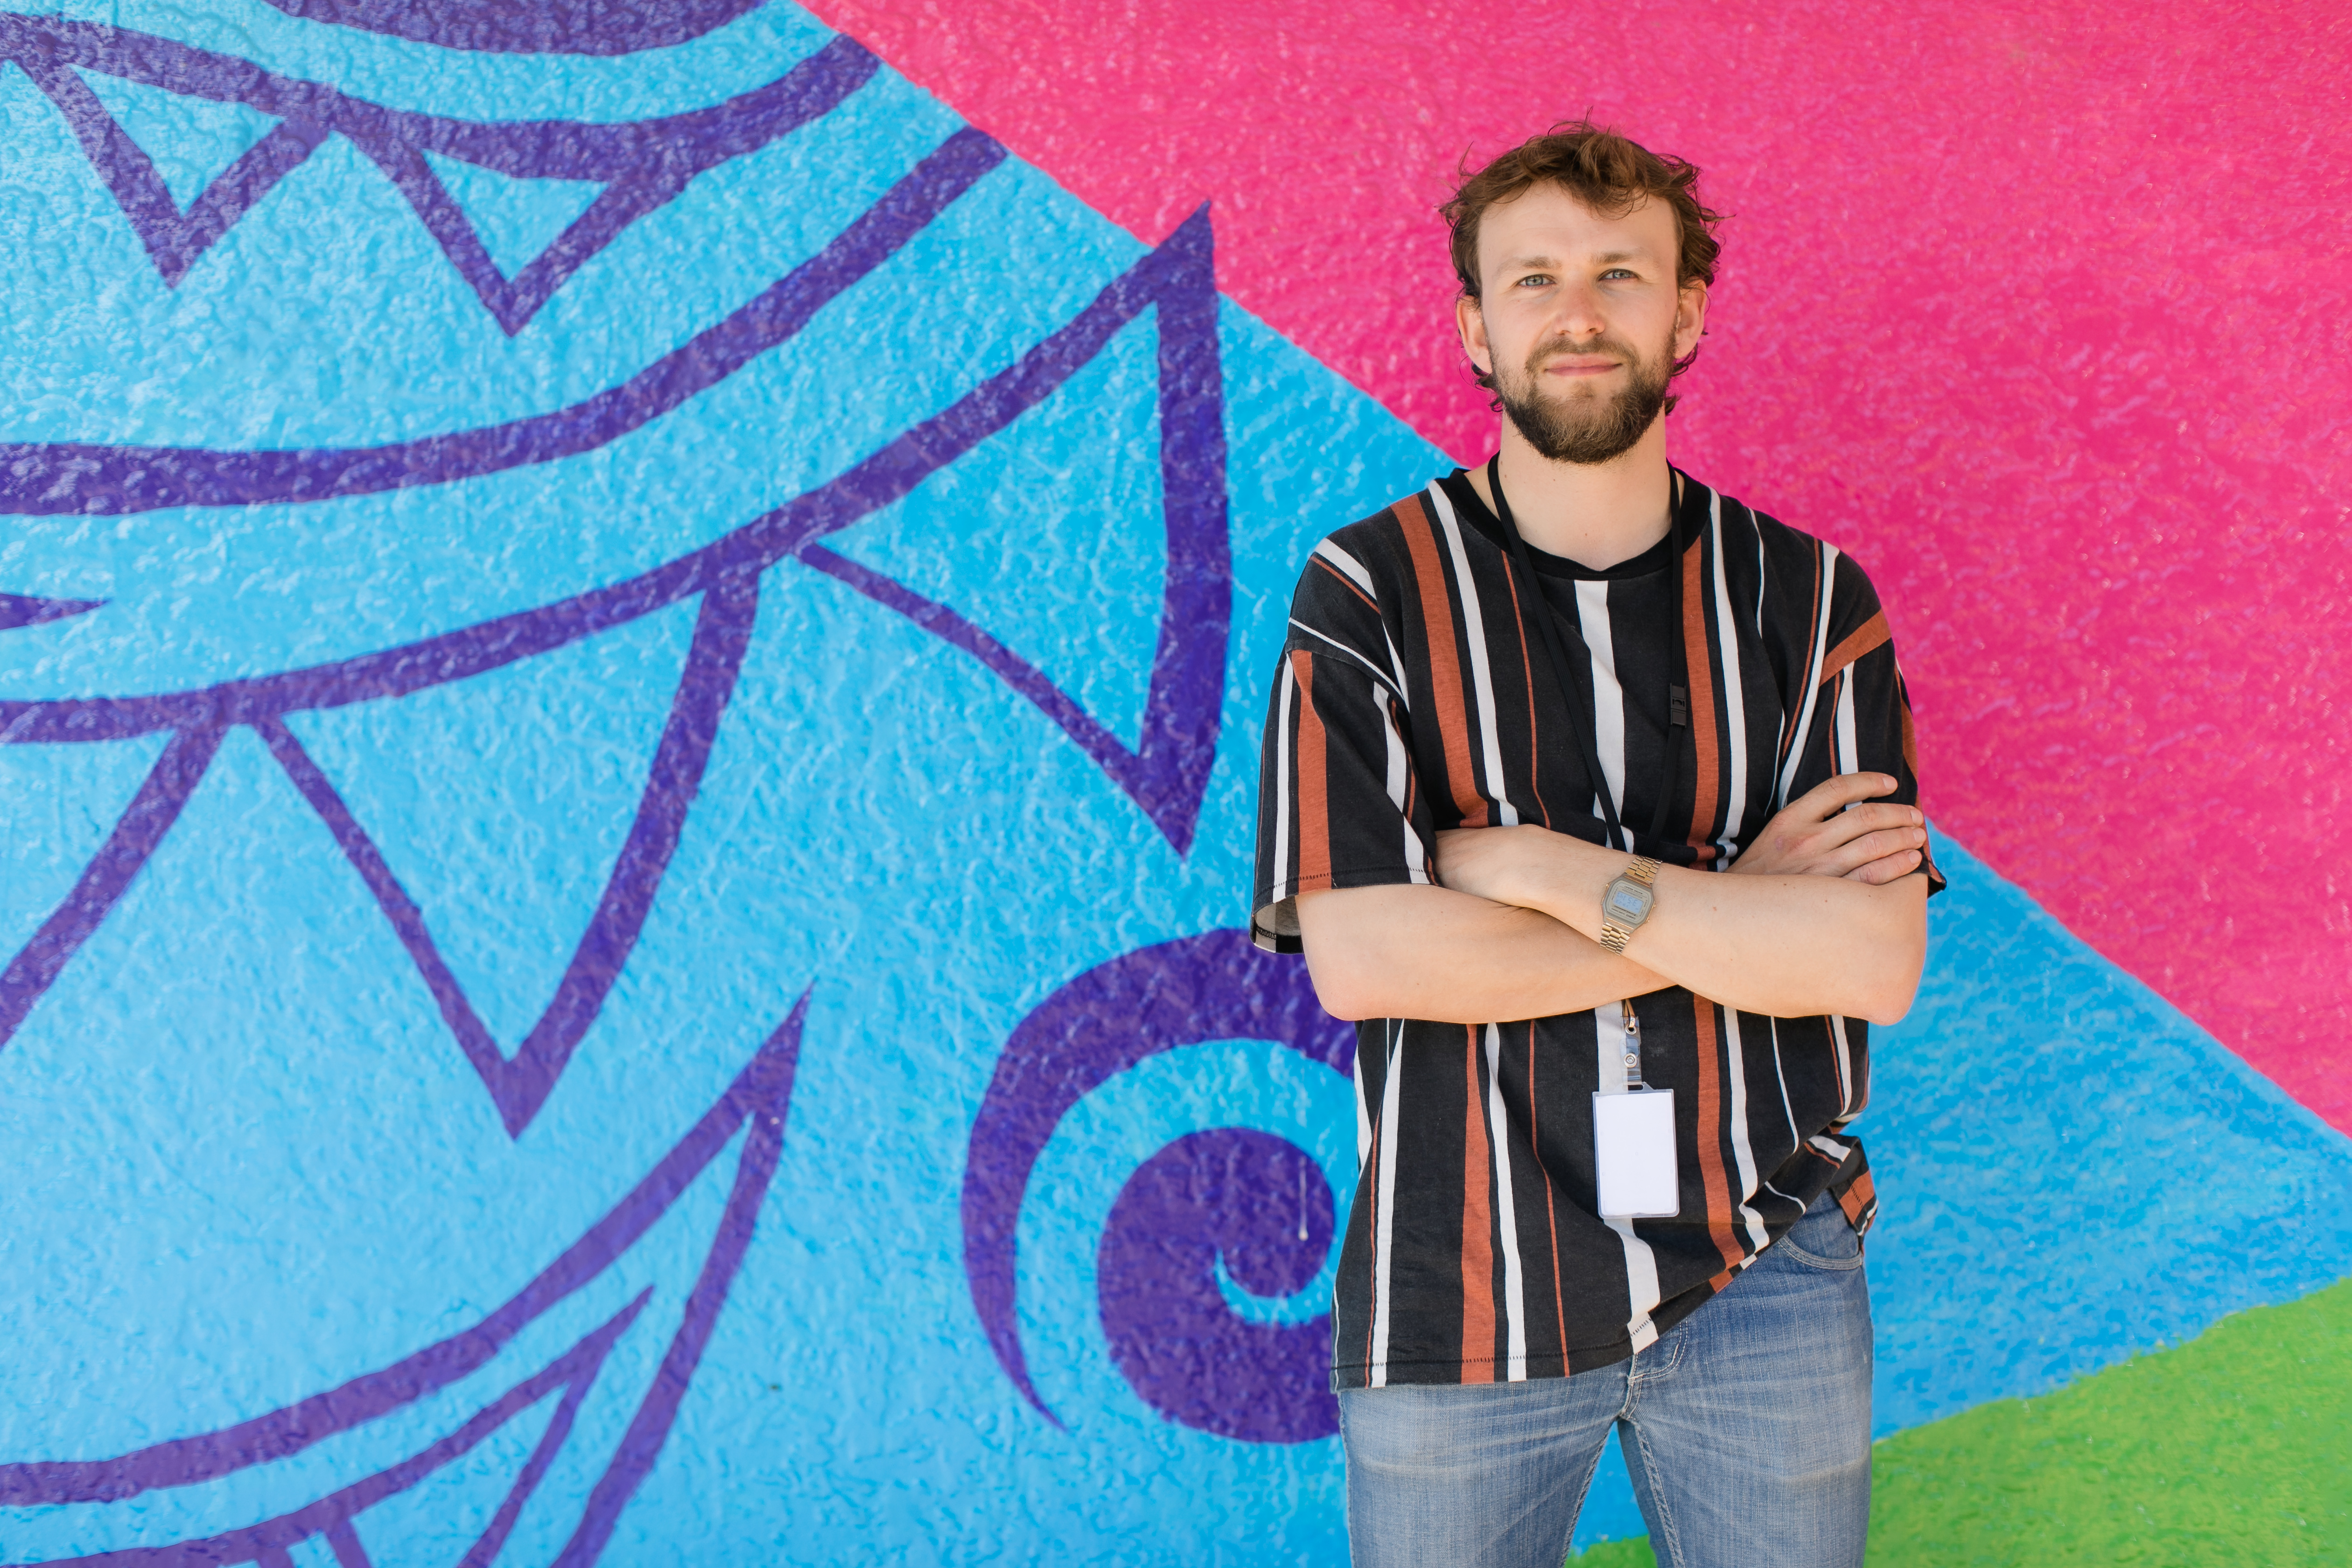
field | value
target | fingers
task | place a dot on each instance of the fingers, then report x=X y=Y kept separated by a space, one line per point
x=1887 y=868
x=1869 y=847
x=1832 y=795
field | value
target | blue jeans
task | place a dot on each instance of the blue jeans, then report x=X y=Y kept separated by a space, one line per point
x=1746 y=1429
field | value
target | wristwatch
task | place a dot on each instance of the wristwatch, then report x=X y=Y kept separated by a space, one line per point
x=1627 y=903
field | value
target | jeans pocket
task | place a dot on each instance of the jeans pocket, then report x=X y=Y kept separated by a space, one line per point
x=1834 y=1245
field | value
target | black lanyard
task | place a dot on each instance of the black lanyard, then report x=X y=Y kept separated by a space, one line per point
x=1583 y=725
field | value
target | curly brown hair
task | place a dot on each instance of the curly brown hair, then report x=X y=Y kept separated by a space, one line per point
x=1611 y=173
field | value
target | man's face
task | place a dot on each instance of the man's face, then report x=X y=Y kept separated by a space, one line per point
x=1581 y=321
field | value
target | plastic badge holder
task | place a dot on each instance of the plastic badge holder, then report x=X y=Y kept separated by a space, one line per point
x=1633 y=1154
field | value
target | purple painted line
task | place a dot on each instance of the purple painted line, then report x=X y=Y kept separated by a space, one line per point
x=887 y=476
x=136 y=833
x=1215 y=987
x=1166 y=777
x=722 y=634
x=493 y=1538
x=173 y=239
x=272 y=1557
x=1187 y=669
x=521 y=1086
x=1105 y=748
x=642 y=1443
x=525 y=149
x=543 y=27
x=344 y=1541
x=51 y=479
x=647 y=162
x=578 y=1367
x=763 y=1086
x=22 y=610
x=407 y=920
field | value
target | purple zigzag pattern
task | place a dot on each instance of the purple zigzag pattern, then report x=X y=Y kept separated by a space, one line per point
x=1165 y=775
x=643 y=165
x=761 y=1095
x=54 y=478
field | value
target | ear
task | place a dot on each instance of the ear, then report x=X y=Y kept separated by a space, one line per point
x=1690 y=319
x=1470 y=322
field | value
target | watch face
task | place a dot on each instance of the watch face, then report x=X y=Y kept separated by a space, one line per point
x=1627 y=903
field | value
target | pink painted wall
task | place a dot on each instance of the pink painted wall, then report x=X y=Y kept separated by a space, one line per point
x=2040 y=310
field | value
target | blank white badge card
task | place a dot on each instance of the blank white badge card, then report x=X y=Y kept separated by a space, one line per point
x=1633 y=1154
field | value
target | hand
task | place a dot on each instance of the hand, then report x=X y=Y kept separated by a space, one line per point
x=1492 y=862
x=1817 y=835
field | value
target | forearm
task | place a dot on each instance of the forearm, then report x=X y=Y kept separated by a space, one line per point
x=1788 y=946
x=1435 y=953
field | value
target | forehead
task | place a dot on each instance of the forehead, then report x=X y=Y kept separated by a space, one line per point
x=1546 y=224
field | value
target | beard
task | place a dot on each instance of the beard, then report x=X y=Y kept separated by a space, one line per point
x=1577 y=426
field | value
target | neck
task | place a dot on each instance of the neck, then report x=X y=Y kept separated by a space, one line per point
x=1593 y=514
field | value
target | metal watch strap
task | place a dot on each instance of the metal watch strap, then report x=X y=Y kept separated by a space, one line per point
x=1614 y=936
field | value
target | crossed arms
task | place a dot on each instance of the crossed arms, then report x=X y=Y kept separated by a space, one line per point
x=1826 y=913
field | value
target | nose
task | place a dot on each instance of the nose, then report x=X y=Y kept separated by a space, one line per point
x=1576 y=314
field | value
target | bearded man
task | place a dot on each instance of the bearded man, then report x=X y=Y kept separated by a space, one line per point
x=1590 y=794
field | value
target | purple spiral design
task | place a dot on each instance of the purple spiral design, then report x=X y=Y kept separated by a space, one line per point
x=1213 y=986
x=1261 y=1204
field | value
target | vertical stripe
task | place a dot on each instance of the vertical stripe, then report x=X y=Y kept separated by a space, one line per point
x=1384 y=1212
x=1849 y=754
x=1781 y=1074
x=1611 y=1042
x=1707 y=779
x=1800 y=731
x=1482 y=678
x=1608 y=696
x=1845 y=1066
x=1314 y=781
x=1445 y=665
x=1477 y=1224
x=1527 y=680
x=1507 y=1216
x=1743 y=1156
x=1285 y=874
x=1363 y=1115
x=1551 y=1206
x=1712 y=1180
x=1398 y=774
x=1735 y=695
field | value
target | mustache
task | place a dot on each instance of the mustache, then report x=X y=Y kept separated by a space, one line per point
x=1539 y=357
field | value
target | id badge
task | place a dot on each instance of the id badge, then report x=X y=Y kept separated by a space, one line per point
x=1633 y=1154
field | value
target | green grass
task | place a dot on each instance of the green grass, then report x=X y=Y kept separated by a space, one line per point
x=2232 y=1449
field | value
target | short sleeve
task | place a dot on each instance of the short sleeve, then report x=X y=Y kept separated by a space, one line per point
x=1339 y=806
x=1861 y=719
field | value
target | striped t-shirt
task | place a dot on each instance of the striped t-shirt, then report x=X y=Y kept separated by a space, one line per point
x=1414 y=695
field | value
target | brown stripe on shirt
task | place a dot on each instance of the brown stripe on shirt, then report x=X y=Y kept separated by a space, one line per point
x=1712 y=1179
x=1478 y=1226
x=1444 y=661
x=1867 y=637
x=1698 y=661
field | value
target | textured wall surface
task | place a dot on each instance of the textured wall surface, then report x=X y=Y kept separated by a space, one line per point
x=630 y=645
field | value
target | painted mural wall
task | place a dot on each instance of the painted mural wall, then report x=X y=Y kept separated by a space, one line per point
x=631 y=649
